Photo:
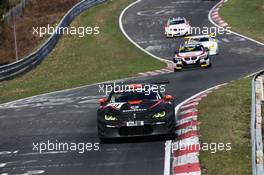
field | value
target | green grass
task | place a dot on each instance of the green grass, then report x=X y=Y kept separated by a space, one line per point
x=225 y=118
x=81 y=61
x=245 y=17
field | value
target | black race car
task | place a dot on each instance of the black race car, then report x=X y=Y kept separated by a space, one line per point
x=143 y=111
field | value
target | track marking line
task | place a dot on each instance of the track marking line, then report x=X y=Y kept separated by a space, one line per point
x=225 y=40
x=189 y=105
x=186 y=120
x=188 y=115
x=187 y=135
x=186 y=111
x=187 y=124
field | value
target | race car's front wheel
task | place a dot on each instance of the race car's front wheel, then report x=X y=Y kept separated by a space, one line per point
x=168 y=36
x=100 y=131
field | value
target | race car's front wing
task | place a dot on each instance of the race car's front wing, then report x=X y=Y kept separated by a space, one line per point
x=198 y=63
x=148 y=127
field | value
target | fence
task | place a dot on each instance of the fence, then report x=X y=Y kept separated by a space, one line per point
x=23 y=65
x=256 y=125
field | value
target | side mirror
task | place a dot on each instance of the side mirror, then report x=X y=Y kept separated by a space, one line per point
x=168 y=97
x=102 y=101
x=207 y=49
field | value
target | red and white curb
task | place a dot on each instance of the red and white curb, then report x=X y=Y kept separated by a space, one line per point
x=182 y=154
x=185 y=149
x=216 y=17
x=167 y=70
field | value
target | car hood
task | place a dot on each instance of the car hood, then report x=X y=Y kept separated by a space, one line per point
x=178 y=26
x=190 y=54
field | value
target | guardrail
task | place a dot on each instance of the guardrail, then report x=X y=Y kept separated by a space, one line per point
x=256 y=124
x=26 y=64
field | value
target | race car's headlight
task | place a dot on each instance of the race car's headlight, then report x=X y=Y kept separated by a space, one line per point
x=211 y=47
x=177 y=60
x=159 y=114
x=110 y=118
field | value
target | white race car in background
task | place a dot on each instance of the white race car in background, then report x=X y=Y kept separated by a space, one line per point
x=177 y=27
x=208 y=41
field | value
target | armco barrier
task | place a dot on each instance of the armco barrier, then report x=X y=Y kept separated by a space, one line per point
x=256 y=125
x=26 y=64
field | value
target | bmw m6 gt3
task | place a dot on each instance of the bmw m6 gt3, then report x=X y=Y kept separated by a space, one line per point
x=140 y=112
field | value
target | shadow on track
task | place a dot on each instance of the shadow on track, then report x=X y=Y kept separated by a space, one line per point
x=141 y=139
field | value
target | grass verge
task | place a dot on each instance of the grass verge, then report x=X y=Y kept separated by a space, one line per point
x=80 y=61
x=225 y=118
x=245 y=17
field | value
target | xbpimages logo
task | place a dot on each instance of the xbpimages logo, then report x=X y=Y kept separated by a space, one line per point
x=77 y=31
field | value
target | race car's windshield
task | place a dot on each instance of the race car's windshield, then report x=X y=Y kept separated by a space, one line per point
x=175 y=22
x=133 y=96
x=201 y=39
x=190 y=49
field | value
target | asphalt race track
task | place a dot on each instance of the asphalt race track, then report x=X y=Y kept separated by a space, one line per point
x=70 y=116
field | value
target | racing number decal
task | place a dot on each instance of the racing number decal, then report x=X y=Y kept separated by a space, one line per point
x=116 y=105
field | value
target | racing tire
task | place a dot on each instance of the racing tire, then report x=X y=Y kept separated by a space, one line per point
x=99 y=132
x=168 y=36
x=187 y=34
